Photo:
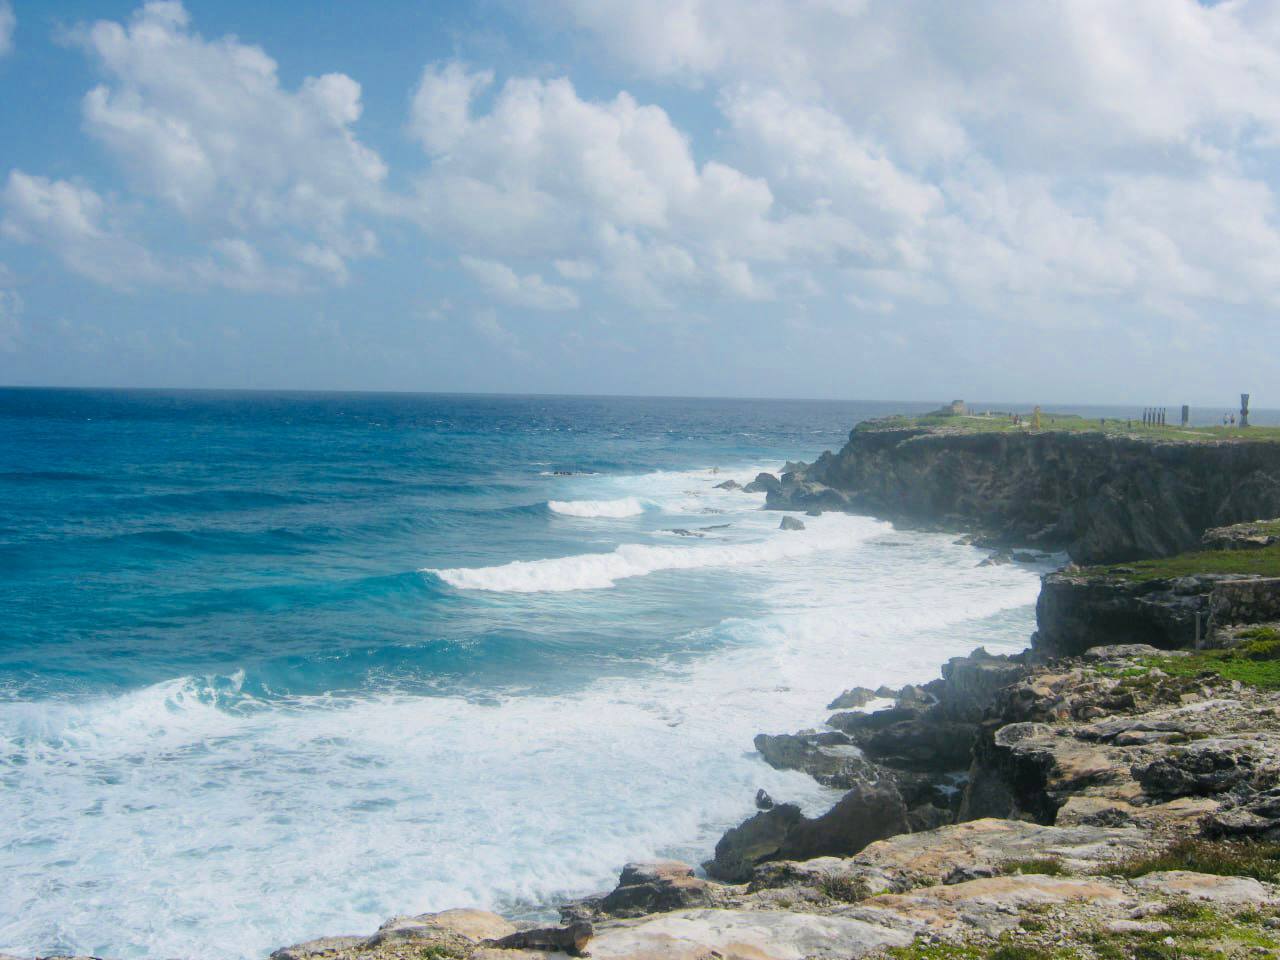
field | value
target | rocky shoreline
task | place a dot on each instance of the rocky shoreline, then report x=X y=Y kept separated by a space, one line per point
x=1119 y=800
x=1112 y=791
x=1100 y=497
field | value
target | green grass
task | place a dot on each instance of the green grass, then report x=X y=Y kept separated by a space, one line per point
x=1255 y=662
x=1264 y=562
x=1197 y=932
x=844 y=889
x=1224 y=858
x=1006 y=948
x=1068 y=423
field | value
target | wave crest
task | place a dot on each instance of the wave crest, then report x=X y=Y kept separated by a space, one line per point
x=626 y=507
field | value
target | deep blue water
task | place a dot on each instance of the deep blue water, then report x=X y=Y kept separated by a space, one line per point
x=281 y=665
x=146 y=535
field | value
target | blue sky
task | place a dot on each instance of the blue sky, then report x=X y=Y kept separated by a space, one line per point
x=1068 y=201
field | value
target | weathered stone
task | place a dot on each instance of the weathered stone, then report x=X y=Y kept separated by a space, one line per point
x=868 y=812
x=852 y=699
x=1226 y=891
x=320 y=948
x=571 y=939
x=657 y=886
x=791 y=523
x=1207 y=767
x=744 y=935
x=753 y=841
x=1118 y=651
x=830 y=758
x=763 y=483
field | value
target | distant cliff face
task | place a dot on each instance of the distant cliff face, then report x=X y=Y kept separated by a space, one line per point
x=1101 y=498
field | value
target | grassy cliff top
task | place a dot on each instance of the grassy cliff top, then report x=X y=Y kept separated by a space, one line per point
x=1067 y=423
x=1264 y=563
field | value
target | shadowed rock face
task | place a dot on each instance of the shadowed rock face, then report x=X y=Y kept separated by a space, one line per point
x=1101 y=498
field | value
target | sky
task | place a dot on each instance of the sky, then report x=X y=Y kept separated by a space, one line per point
x=1061 y=201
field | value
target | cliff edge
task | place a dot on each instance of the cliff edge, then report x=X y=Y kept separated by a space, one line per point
x=1103 y=495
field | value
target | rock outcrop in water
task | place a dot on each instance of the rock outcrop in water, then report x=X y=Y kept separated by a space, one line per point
x=1100 y=497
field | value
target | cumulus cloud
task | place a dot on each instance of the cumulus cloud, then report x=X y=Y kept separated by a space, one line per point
x=522 y=291
x=990 y=152
x=72 y=220
x=205 y=129
x=599 y=185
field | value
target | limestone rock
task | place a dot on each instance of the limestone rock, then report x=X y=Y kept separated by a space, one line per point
x=744 y=935
x=852 y=699
x=868 y=812
x=657 y=886
x=1226 y=891
x=571 y=939
x=1242 y=536
x=830 y=758
x=320 y=948
x=763 y=483
x=1209 y=767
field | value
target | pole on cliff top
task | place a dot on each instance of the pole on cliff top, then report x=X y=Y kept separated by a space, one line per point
x=1035 y=418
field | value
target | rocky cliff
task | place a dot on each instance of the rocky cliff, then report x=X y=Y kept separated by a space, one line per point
x=1102 y=497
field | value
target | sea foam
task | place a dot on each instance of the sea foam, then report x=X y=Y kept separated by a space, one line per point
x=599 y=571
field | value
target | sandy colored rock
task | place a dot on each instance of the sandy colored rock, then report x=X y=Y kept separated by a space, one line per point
x=743 y=934
x=933 y=856
x=1224 y=891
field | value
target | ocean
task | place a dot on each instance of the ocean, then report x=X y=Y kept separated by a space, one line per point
x=282 y=665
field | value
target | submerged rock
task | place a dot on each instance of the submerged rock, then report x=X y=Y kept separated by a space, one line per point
x=729 y=485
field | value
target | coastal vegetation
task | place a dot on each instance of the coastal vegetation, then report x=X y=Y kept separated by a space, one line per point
x=1224 y=858
x=1262 y=563
x=1010 y=422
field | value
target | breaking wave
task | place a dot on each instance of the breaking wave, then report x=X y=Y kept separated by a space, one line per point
x=599 y=571
x=625 y=507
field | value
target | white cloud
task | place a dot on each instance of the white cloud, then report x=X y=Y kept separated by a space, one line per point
x=85 y=232
x=8 y=24
x=71 y=219
x=575 y=269
x=485 y=322
x=523 y=291
x=545 y=173
x=205 y=127
x=994 y=153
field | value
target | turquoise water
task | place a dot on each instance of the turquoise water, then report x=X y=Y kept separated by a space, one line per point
x=281 y=665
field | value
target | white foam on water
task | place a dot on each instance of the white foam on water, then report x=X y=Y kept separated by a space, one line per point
x=186 y=819
x=590 y=509
x=598 y=571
